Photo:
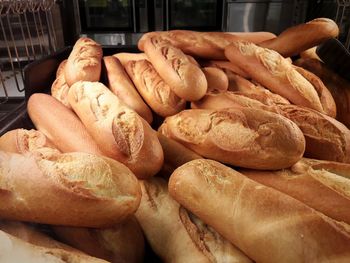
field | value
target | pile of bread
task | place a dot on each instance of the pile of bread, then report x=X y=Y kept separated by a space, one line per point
x=215 y=147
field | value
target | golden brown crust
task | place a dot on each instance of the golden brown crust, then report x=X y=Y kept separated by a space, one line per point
x=244 y=137
x=118 y=130
x=158 y=95
x=227 y=66
x=120 y=84
x=84 y=62
x=59 y=88
x=192 y=240
x=296 y=39
x=253 y=216
x=60 y=69
x=184 y=78
x=216 y=78
x=125 y=57
x=60 y=125
x=274 y=72
x=75 y=189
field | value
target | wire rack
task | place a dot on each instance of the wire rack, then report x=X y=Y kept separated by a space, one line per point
x=27 y=34
x=342 y=18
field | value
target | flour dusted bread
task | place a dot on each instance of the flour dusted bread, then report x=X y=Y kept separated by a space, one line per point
x=13 y=249
x=76 y=189
x=22 y=141
x=118 y=130
x=60 y=125
x=120 y=84
x=184 y=78
x=84 y=62
x=175 y=234
x=322 y=185
x=296 y=39
x=158 y=94
x=267 y=225
x=122 y=243
x=244 y=137
x=274 y=72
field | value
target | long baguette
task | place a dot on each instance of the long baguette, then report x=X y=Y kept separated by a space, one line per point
x=267 y=225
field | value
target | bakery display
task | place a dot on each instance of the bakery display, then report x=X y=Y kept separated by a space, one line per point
x=115 y=165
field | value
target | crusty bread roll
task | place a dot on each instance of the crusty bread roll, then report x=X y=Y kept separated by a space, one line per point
x=122 y=243
x=267 y=225
x=239 y=136
x=60 y=125
x=158 y=95
x=13 y=249
x=84 y=62
x=22 y=141
x=118 y=130
x=318 y=184
x=272 y=71
x=326 y=99
x=296 y=39
x=76 y=189
x=208 y=45
x=125 y=57
x=184 y=78
x=59 y=88
x=175 y=234
x=216 y=78
x=339 y=87
x=326 y=138
x=120 y=84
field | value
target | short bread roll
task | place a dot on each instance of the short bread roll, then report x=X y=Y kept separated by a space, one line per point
x=184 y=78
x=267 y=225
x=239 y=136
x=118 y=130
x=84 y=62
x=76 y=189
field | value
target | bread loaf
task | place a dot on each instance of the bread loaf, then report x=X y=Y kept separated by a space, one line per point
x=272 y=71
x=296 y=39
x=84 y=62
x=118 y=130
x=184 y=78
x=13 y=249
x=175 y=234
x=267 y=225
x=339 y=87
x=125 y=57
x=217 y=79
x=60 y=125
x=244 y=137
x=310 y=54
x=227 y=66
x=122 y=243
x=153 y=89
x=323 y=188
x=120 y=84
x=76 y=189
x=59 y=88
x=22 y=141
x=326 y=138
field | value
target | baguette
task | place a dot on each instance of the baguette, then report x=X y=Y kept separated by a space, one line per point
x=124 y=57
x=60 y=125
x=84 y=62
x=310 y=54
x=153 y=89
x=175 y=234
x=216 y=78
x=267 y=225
x=272 y=71
x=299 y=38
x=339 y=87
x=122 y=243
x=227 y=66
x=120 y=84
x=326 y=138
x=59 y=88
x=243 y=137
x=74 y=189
x=318 y=185
x=209 y=45
x=184 y=78
x=23 y=141
x=60 y=69
x=13 y=249
x=119 y=131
